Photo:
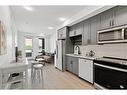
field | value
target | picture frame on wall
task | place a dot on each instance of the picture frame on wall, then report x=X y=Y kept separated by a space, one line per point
x=3 y=39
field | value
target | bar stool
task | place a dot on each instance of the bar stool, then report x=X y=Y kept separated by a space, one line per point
x=38 y=69
x=38 y=73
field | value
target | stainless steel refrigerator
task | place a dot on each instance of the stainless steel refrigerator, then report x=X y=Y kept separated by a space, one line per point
x=60 y=55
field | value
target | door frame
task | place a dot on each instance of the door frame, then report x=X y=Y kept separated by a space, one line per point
x=31 y=37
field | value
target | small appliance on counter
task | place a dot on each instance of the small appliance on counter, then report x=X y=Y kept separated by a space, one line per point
x=90 y=53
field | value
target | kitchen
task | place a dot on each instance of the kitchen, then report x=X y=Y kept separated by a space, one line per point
x=95 y=49
x=87 y=52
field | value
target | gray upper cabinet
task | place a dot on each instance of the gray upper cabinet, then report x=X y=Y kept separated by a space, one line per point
x=86 y=33
x=94 y=27
x=91 y=26
x=71 y=31
x=120 y=15
x=106 y=19
x=113 y=17
x=79 y=29
x=62 y=33
x=76 y=29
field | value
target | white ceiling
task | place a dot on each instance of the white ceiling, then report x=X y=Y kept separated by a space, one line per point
x=42 y=17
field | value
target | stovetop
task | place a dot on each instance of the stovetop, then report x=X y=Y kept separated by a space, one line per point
x=113 y=60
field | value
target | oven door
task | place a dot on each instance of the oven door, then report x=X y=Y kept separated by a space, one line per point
x=110 y=77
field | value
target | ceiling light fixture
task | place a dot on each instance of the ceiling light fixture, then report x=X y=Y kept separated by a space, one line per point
x=62 y=19
x=50 y=28
x=41 y=35
x=28 y=8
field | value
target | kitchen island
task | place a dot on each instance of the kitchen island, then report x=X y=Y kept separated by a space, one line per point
x=12 y=73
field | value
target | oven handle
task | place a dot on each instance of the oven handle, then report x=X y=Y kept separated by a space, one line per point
x=110 y=67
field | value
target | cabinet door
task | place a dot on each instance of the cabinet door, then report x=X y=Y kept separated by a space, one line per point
x=59 y=35
x=120 y=15
x=78 y=29
x=106 y=19
x=94 y=27
x=62 y=33
x=86 y=33
x=75 y=66
x=69 y=64
x=71 y=31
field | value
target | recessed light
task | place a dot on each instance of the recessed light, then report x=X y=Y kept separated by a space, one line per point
x=28 y=8
x=50 y=28
x=62 y=19
x=41 y=35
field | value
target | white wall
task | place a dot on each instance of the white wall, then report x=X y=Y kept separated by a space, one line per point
x=6 y=18
x=47 y=44
x=53 y=39
x=21 y=43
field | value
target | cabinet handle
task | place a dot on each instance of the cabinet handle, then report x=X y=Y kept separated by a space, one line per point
x=110 y=23
x=74 y=32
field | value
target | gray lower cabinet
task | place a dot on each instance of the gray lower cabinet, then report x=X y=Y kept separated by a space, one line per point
x=69 y=64
x=72 y=64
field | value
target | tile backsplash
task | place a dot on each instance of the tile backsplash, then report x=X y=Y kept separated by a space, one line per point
x=112 y=50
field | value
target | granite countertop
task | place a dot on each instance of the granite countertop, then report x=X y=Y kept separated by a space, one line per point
x=82 y=56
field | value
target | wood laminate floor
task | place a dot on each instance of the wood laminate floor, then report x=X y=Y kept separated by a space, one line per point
x=55 y=79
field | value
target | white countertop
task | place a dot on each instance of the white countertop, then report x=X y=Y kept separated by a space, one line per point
x=82 y=56
x=23 y=62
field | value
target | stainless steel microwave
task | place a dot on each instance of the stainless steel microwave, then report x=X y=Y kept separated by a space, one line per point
x=117 y=34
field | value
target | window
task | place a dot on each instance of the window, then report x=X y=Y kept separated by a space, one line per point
x=28 y=47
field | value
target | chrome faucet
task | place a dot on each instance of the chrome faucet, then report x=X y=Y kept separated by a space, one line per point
x=77 y=47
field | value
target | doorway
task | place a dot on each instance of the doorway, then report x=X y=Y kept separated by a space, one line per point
x=29 y=47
